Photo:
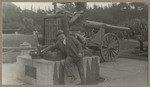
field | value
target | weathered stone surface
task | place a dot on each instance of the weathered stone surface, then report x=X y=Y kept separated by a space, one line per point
x=61 y=75
x=88 y=72
x=28 y=70
x=52 y=72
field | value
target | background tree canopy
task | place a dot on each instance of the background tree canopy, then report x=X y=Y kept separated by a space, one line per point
x=24 y=21
x=132 y=15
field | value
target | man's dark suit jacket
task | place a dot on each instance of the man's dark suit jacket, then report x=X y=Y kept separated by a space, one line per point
x=72 y=48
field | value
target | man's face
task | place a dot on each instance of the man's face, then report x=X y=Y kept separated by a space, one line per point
x=62 y=37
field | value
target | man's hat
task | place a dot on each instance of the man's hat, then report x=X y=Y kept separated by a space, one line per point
x=60 y=32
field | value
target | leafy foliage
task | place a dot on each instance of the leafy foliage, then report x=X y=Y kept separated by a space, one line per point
x=24 y=21
x=132 y=15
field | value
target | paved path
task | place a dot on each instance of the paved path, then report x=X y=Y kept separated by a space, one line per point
x=125 y=72
x=9 y=75
x=122 y=72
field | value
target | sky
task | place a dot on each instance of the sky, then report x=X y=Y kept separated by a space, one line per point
x=46 y=5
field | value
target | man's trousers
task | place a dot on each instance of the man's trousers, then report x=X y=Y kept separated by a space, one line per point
x=69 y=64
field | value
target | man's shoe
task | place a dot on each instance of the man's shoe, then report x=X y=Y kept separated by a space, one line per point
x=82 y=83
x=73 y=78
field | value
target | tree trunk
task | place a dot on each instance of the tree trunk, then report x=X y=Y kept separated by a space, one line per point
x=141 y=45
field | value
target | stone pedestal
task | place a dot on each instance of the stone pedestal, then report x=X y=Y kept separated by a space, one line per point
x=40 y=71
x=46 y=72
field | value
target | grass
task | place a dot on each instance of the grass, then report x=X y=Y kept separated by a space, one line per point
x=128 y=44
x=12 y=40
x=130 y=49
x=127 y=47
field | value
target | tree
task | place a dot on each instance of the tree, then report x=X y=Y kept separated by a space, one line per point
x=100 y=14
x=138 y=9
x=11 y=16
x=28 y=25
x=22 y=20
x=136 y=19
x=38 y=28
x=27 y=14
x=139 y=30
x=40 y=14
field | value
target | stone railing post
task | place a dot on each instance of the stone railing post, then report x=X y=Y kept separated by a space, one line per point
x=25 y=45
x=34 y=32
x=16 y=33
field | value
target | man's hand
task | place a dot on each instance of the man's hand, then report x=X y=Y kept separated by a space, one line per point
x=80 y=55
x=43 y=51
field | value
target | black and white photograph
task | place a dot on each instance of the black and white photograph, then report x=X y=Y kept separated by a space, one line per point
x=75 y=43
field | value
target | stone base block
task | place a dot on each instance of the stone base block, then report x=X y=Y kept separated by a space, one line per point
x=44 y=72
x=40 y=71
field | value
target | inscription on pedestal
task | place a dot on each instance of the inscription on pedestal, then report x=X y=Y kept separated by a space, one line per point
x=30 y=71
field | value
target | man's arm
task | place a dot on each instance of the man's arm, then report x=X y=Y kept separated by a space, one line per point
x=51 y=48
x=78 y=44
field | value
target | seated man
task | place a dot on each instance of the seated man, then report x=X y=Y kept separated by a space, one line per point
x=72 y=50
